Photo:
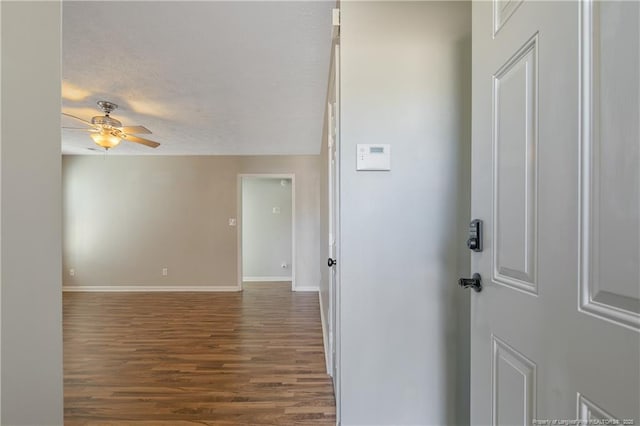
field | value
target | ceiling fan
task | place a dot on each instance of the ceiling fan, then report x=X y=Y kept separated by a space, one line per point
x=107 y=132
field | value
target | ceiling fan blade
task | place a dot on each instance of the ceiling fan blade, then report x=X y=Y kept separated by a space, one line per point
x=147 y=142
x=82 y=129
x=78 y=118
x=135 y=130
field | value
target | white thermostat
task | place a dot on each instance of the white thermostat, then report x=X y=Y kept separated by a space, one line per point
x=373 y=157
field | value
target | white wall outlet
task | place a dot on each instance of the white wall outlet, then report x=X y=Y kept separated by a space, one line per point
x=165 y=272
x=232 y=221
x=276 y=210
x=72 y=272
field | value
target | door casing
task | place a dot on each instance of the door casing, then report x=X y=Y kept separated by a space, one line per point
x=239 y=184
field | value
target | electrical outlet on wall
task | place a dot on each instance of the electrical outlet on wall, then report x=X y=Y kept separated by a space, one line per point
x=72 y=272
x=232 y=221
x=165 y=272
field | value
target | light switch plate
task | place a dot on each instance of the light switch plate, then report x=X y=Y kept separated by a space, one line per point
x=373 y=157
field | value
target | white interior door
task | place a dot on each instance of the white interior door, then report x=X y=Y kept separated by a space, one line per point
x=555 y=331
x=334 y=204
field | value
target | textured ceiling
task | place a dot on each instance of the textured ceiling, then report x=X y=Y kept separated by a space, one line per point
x=207 y=78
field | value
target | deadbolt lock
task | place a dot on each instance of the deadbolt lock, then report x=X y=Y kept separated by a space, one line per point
x=475 y=235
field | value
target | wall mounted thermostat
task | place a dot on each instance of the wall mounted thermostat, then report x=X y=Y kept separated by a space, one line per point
x=373 y=157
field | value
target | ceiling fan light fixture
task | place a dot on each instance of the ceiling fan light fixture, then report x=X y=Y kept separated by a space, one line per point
x=105 y=121
x=107 y=132
x=105 y=140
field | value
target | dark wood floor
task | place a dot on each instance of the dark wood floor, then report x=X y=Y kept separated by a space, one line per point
x=250 y=358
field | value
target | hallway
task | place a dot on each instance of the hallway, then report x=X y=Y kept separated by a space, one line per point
x=254 y=357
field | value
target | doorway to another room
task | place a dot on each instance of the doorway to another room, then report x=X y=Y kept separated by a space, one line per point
x=265 y=229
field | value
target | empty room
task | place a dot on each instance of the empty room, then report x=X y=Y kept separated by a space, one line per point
x=319 y=212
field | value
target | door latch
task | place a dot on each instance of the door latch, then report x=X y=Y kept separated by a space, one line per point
x=475 y=282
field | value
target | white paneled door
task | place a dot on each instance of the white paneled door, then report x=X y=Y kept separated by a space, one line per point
x=556 y=152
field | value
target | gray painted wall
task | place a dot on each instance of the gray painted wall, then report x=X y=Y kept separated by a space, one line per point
x=405 y=80
x=31 y=361
x=266 y=235
x=126 y=218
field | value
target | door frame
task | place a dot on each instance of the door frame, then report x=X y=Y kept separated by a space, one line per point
x=333 y=193
x=240 y=178
x=332 y=228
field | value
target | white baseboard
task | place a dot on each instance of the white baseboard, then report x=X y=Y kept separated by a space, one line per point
x=300 y=288
x=266 y=279
x=147 y=288
x=325 y=338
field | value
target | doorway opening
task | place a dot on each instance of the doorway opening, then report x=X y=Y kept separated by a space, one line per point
x=266 y=231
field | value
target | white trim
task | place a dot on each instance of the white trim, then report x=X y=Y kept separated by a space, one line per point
x=335 y=307
x=306 y=288
x=291 y=176
x=149 y=288
x=239 y=230
x=265 y=279
x=0 y=227
x=325 y=338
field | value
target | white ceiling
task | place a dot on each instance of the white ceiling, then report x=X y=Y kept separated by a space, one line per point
x=207 y=78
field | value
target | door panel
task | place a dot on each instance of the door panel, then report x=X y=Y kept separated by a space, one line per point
x=502 y=11
x=513 y=385
x=610 y=184
x=556 y=151
x=515 y=169
x=588 y=411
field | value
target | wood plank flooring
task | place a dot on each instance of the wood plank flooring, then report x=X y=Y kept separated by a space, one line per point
x=250 y=358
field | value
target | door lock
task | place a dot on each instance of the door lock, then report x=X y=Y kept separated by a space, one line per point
x=474 y=282
x=475 y=235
